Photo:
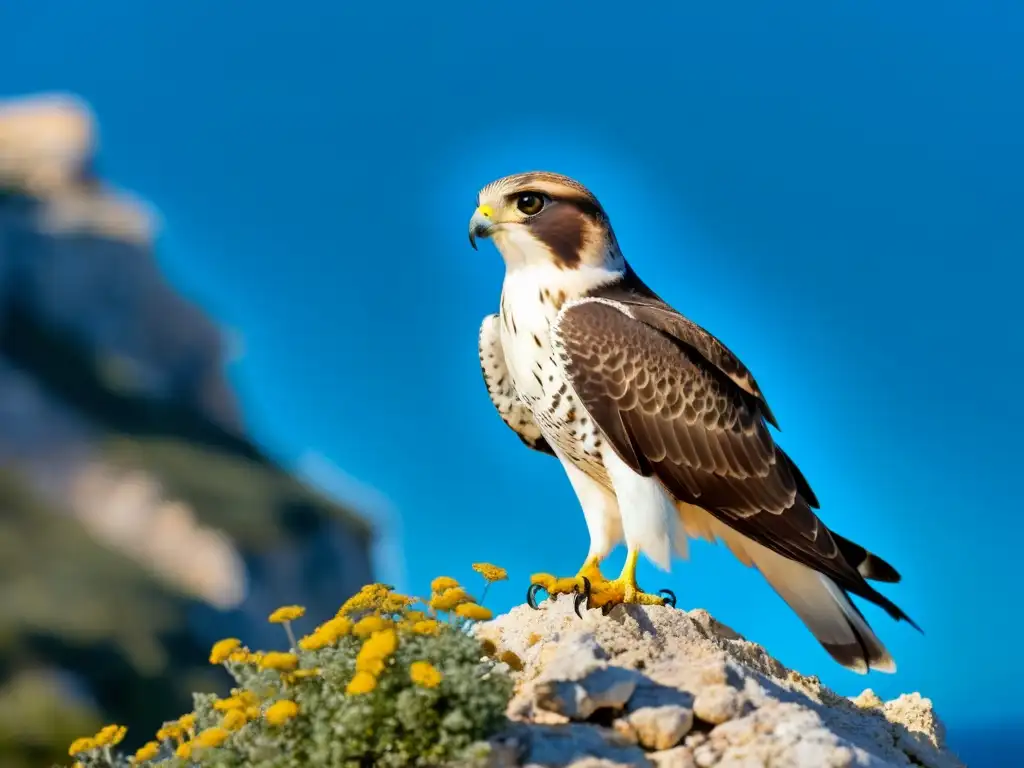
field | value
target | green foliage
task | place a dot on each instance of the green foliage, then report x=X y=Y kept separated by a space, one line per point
x=378 y=685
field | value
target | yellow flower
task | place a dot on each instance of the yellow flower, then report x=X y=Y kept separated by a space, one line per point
x=371 y=665
x=223 y=705
x=426 y=627
x=184 y=750
x=244 y=656
x=234 y=719
x=425 y=674
x=248 y=698
x=223 y=649
x=395 y=603
x=473 y=612
x=172 y=731
x=369 y=597
x=381 y=645
x=84 y=744
x=110 y=735
x=302 y=674
x=510 y=658
x=413 y=616
x=337 y=627
x=147 y=751
x=443 y=584
x=280 y=712
x=368 y=625
x=450 y=598
x=363 y=682
x=490 y=572
x=375 y=651
x=281 y=661
x=315 y=641
x=187 y=721
x=211 y=737
x=252 y=712
x=287 y=613
x=326 y=634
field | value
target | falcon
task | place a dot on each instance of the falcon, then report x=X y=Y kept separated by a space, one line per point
x=662 y=431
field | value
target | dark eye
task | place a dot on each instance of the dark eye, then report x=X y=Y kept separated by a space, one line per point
x=530 y=203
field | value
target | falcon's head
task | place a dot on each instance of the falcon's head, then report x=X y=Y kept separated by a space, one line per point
x=544 y=218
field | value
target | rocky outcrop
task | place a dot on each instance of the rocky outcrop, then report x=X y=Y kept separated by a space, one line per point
x=151 y=523
x=653 y=686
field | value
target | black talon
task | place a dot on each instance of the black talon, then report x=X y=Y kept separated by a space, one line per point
x=670 y=600
x=531 y=595
x=581 y=597
x=577 y=602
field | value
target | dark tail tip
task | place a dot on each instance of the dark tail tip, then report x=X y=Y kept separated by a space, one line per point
x=868 y=565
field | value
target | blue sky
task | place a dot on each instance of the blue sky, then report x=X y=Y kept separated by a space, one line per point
x=833 y=189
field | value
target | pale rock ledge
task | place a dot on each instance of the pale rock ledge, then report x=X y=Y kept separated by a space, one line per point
x=674 y=689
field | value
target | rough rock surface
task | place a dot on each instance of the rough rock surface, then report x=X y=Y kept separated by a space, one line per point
x=652 y=686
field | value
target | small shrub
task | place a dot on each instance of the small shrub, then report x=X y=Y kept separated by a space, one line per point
x=381 y=684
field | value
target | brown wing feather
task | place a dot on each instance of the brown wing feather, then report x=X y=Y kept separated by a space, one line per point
x=670 y=414
x=646 y=306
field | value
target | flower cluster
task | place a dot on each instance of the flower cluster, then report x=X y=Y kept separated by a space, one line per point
x=379 y=683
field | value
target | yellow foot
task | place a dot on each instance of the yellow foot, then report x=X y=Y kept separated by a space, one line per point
x=608 y=594
x=582 y=583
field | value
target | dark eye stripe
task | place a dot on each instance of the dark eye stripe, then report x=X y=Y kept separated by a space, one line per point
x=560 y=228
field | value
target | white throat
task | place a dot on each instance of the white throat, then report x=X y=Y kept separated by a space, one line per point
x=531 y=297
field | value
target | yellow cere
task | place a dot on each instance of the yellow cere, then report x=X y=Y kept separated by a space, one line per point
x=485 y=210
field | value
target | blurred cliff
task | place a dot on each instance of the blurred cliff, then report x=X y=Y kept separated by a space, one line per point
x=138 y=523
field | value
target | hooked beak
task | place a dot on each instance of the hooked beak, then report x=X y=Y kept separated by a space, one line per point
x=482 y=224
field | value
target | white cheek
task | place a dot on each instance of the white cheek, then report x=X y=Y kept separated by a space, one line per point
x=519 y=248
